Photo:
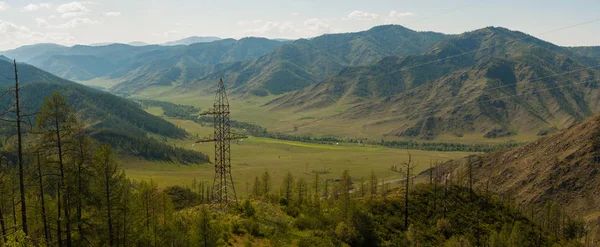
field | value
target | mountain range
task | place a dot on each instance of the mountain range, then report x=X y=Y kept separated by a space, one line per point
x=492 y=82
x=526 y=85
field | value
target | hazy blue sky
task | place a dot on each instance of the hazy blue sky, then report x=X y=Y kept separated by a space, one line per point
x=154 y=21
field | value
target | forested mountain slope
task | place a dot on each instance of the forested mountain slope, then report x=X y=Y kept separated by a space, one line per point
x=101 y=112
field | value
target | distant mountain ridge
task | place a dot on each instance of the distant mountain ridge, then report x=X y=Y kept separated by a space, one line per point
x=137 y=64
x=491 y=82
x=191 y=40
x=304 y=62
x=479 y=92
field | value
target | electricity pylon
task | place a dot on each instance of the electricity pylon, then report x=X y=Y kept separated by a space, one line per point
x=223 y=190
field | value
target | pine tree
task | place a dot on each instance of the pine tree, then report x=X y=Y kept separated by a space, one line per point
x=266 y=183
x=301 y=189
x=107 y=179
x=83 y=158
x=205 y=229
x=373 y=185
x=56 y=123
x=256 y=188
x=287 y=186
x=317 y=180
x=345 y=187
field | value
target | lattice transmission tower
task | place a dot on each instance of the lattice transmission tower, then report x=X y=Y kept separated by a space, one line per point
x=223 y=190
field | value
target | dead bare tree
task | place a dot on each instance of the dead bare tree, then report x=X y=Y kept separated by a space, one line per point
x=406 y=169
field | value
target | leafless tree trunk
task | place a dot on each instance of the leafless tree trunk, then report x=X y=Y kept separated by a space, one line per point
x=43 y=204
x=20 y=151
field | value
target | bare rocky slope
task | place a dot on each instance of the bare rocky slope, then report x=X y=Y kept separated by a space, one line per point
x=563 y=167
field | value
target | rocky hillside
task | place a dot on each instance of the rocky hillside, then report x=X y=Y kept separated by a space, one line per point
x=492 y=82
x=305 y=62
x=562 y=168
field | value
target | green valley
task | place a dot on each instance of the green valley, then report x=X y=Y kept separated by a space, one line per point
x=312 y=124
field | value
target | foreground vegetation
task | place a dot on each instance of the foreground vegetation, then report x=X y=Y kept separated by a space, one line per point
x=73 y=192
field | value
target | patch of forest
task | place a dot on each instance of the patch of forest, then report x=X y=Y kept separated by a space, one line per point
x=109 y=119
x=148 y=148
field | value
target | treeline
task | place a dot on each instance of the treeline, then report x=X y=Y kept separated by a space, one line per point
x=102 y=112
x=59 y=187
x=101 y=109
x=64 y=189
x=450 y=147
x=125 y=123
x=170 y=109
x=256 y=130
x=107 y=116
x=349 y=211
x=190 y=113
x=148 y=148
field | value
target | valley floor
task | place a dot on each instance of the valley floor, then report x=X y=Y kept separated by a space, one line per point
x=253 y=156
x=315 y=122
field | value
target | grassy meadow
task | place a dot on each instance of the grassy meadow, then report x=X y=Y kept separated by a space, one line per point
x=253 y=156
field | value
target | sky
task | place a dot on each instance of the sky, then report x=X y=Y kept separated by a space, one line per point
x=24 y=22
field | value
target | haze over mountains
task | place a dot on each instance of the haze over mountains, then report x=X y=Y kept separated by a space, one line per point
x=491 y=82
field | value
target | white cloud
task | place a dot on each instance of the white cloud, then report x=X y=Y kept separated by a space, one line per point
x=361 y=15
x=396 y=14
x=33 y=7
x=318 y=26
x=73 y=14
x=12 y=35
x=4 y=6
x=72 y=9
x=41 y=22
x=76 y=22
x=272 y=28
x=250 y=22
x=7 y=27
x=285 y=29
x=112 y=14
x=51 y=17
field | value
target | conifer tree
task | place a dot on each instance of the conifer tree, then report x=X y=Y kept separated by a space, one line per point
x=287 y=186
x=107 y=179
x=56 y=124
x=266 y=183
